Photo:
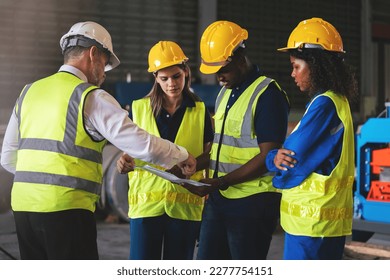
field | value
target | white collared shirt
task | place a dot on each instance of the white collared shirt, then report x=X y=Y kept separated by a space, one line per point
x=104 y=118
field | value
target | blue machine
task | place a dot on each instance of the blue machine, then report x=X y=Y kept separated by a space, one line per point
x=372 y=194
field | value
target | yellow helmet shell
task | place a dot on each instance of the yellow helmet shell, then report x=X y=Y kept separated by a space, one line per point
x=315 y=33
x=218 y=42
x=165 y=54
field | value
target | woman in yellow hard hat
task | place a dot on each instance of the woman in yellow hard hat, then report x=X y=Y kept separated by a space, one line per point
x=165 y=217
x=315 y=168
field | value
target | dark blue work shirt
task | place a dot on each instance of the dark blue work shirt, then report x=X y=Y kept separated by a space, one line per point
x=272 y=109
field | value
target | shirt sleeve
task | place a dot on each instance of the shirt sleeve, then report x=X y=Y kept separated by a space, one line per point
x=315 y=142
x=269 y=161
x=271 y=116
x=105 y=117
x=10 y=145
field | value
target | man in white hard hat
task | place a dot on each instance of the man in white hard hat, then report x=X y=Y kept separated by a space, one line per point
x=54 y=142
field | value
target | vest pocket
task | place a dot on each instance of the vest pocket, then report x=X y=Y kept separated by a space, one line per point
x=233 y=127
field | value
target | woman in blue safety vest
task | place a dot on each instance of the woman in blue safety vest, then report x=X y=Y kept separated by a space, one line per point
x=315 y=168
x=165 y=217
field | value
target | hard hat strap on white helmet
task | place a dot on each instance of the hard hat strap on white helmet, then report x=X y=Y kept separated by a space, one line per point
x=81 y=41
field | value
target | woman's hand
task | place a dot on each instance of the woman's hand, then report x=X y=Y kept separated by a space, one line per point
x=284 y=158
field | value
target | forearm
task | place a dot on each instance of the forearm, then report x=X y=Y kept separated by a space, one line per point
x=203 y=160
x=112 y=122
x=10 y=146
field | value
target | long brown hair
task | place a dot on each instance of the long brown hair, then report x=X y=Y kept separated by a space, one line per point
x=156 y=94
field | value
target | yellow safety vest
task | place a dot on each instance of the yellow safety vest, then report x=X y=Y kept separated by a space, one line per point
x=59 y=166
x=321 y=206
x=239 y=142
x=150 y=195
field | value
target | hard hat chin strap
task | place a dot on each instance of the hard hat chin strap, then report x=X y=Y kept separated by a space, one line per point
x=309 y=46
x=240 y=45
x=80 y=41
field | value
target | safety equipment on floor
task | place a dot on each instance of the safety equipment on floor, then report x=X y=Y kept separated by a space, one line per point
x=315 y=33
x=217 y=44
x=87 y=34
x=165 y=54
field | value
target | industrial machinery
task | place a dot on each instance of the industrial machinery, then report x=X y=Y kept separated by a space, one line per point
x=372 y=193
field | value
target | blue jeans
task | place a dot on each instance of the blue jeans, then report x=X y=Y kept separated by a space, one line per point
x=162 y=237
x=238 y=229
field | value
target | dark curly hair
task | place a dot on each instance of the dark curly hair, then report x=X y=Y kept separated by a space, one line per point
x=329 y=71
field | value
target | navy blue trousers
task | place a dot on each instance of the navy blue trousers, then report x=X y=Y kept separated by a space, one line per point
x=313 y=248
x=238 y=229
x=162 y=237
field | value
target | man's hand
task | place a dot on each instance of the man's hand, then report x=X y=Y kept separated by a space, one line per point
x=284 y=158
x=176 y=170
x=188 y=167
x=125 y=164
x=203 y=190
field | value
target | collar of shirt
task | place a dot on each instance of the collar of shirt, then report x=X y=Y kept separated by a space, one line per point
x=169 y=125
x=73 y=70
x=187 y=102
x=237 y=91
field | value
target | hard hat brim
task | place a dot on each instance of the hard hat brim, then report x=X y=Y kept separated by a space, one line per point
x=114 y=62
x=285 y=49
x=206 y=69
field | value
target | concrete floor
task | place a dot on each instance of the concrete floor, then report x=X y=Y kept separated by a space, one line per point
x=113 y=242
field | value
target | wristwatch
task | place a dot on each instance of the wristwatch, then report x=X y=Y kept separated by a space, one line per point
x=222 y=184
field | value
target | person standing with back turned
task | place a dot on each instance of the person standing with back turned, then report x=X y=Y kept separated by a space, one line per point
x=165 y=217
x=251 y=118
x=53 y=144
x=315 y=168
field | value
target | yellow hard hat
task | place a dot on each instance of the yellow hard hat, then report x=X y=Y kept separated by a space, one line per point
x=165 y=54
x=218 y=42
x=315 y=33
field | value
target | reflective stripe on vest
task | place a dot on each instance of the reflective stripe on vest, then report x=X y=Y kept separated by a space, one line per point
x=321 y=206
x=56 y=157
x=239 y=143
x=150 y=195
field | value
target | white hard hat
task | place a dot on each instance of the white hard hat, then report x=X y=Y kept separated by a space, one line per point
x=87 y=34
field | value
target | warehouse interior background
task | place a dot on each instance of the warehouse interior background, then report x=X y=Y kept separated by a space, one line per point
x=31 y=31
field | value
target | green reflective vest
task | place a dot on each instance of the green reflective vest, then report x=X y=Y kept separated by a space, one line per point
x=321 y=206
x=150 y=195
x=239 y=143
x=59 y=166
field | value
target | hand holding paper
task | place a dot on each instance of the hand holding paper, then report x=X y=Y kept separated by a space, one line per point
x=170 y=177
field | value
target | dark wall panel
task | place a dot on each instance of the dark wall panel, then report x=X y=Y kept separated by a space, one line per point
x=269 y=24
